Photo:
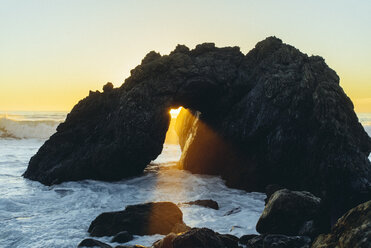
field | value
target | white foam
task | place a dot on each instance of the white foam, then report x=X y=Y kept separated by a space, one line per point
x=34 y=215
x=22 y=129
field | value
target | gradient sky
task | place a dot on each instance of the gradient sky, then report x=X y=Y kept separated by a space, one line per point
x=53 y=52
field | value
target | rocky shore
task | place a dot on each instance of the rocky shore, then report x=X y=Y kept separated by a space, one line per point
x=274 y=120
x=291 y=219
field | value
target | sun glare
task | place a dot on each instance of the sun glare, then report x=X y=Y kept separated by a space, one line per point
x=174 y=112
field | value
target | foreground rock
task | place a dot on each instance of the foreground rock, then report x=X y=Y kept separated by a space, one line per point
x=198 y=237
x=143 y=219
x=287 y=212
x=93 y=243
x=122 y=237
x=351 y=230
x=272 y=116
x=278 y=241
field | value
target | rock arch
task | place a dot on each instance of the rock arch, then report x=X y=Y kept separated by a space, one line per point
x=282 y=114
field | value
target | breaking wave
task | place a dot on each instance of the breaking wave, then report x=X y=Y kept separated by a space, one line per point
x=26 y=129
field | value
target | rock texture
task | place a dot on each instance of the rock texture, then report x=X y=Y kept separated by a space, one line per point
x=351 y=230
x=143 y=219
x=198 y=238
x=122 y=237
x=272 y=116
x=287 y=211
x=93 y=243
x=278 y=241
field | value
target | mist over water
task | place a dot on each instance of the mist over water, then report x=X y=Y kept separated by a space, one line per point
x=34 y=215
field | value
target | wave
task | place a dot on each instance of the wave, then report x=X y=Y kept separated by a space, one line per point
x=27 y=129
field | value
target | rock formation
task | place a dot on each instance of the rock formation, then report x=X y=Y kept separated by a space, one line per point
x=287 y=211
x=273 y=116
x=351 y=230
x=198 y=237
x=143 y=219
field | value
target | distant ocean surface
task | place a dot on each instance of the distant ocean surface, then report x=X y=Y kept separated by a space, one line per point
x=34 y=215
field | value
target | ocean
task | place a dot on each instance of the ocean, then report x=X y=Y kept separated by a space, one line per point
x=34 y=215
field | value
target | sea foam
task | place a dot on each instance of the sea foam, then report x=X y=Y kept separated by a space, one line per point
x=23 y=129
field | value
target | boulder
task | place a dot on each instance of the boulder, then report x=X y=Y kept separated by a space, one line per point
x=278 y=241
x=351 y=230
x=143 y=219
x=93 y=243
x=287 y=211
x=122 y=237
x=272 y=116
x=204 y=203
x=198 y=237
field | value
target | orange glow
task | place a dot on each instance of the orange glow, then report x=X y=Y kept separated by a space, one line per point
x=175 y=112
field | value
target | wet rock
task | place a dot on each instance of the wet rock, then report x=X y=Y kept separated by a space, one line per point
x=93 y=243
x=198 y=237
x=351 y=230
x=245 y=238
x=272 y=116
x=256 y=242
x=270 y=189
x=166 y=242
x=122 y=237
x=143 y=219
x=229 y=240
x=204 y=203
x=310 y=229
x=278 y=241
x=130 y=246
x=287 y=211
x=282 y=241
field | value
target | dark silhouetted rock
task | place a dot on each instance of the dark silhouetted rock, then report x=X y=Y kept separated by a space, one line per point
x=130 y=246
x=122 y=237
x=229 y=240
x=278 y=241
x=204 y=203
x=93 y=243
x=198 y=238
x=270 y=189
x=282 y=241
x=287 y=211
x=245 y=238
x=142 y=219
x=108 y=87
x=272 y=116
x=351 y=230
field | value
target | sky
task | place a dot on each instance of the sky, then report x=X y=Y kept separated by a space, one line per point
x=52 y=52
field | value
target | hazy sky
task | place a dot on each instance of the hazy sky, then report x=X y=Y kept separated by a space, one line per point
x=53 y=52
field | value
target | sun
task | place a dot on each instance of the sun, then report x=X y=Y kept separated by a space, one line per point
x=174 y=112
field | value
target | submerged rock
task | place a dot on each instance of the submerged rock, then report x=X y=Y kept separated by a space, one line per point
x=272 y=116
x=351 y=230
x=198 y=237
x=143 y=219
x=93 y=243
x=287 y=211
x=204 y=203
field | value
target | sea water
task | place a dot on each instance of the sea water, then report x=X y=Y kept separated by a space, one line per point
x=34 y=215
